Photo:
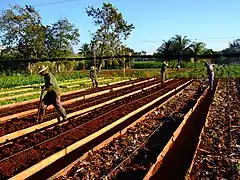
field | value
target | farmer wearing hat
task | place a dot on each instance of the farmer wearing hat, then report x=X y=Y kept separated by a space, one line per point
x=210 y=72
x=163 y=71
x=53 y=94
x=93 y=76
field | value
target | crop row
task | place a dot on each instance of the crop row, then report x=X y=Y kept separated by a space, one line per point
x=131 y=155
x=21 y=123
x=218 y=153
x=67 y=89
x=33 y=105
x=21 y=161
x=38 y=137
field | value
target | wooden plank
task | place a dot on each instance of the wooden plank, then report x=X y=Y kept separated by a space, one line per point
x=64 y=171
x=67 y=81
x=32 y=111
x=47 y=161
x=36 y=100
x=33 y=93
x=200 y=137
x=78 y=85
x=15 y=91
x=17 y=96
x=53 y=121
x=28 y=130
x=154 y=168
x=129 y=85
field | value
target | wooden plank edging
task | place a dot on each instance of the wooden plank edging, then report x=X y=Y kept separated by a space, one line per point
x=49 y=160
x=32 y=111
x=28 y=130
x=63 y=94
x=154 y=168
x=107 y=141
x=200 y=137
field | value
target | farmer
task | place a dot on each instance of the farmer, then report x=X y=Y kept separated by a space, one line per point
x=163 y=72
x=93 y=75
x=53 y=94
x=210 y=72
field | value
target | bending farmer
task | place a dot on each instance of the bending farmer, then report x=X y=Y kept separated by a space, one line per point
x=93 y=76
x=163 y=72
x=210 y=71
x=53 y=94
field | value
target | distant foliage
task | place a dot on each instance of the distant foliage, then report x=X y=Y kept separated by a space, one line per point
x=112 y=30
x=146 y=65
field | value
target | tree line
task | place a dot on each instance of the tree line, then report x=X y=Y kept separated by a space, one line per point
x=24 y=36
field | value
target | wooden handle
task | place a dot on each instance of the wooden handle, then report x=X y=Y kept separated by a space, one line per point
x=40 y=100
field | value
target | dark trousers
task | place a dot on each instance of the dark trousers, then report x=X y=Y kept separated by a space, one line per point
x=54 y=99
x=163 y=76
x=94 y=83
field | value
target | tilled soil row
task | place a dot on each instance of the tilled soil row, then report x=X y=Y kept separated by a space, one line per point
x=47 y=133
x=25 y=122
x=218 y=153
x=25 y=159
x=21 y=108
x=100 y=163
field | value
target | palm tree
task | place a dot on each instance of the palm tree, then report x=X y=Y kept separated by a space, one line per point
x=84 y=50
x=180 y=45
x=235 y=44
x=166 y=48
x=197 y=48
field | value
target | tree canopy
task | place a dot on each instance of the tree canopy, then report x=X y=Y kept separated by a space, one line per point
x=112 y=30
x=24 y=34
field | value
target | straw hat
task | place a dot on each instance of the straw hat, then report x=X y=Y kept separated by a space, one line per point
x=42 y=68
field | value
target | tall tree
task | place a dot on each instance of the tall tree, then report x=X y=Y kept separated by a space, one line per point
x=59 y=39
x=21 y=29
x=180 y=46
x=235 y=44
x=112 y=29
x=197 y=48
x=143 y=52
x=166 y=48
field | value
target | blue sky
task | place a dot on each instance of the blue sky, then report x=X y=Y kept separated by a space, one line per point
x=215 y=22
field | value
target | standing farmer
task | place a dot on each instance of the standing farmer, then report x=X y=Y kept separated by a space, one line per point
x=210 y=71
x=53 y=94
x=163 y=72
x=93 y=76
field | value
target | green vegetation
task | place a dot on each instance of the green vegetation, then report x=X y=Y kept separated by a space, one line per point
x=21 y=80
x=146 y=65
x=221 y=71
x=24 y=36
x=147 y=71
x=81 y=86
